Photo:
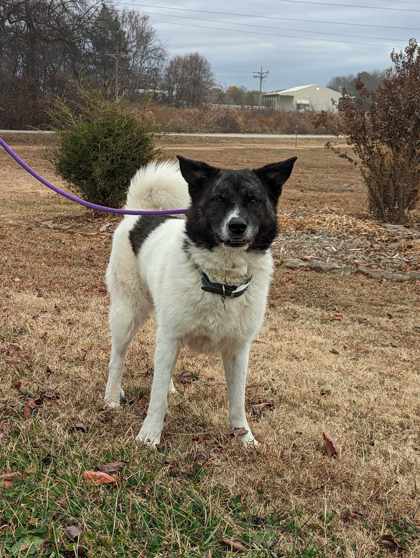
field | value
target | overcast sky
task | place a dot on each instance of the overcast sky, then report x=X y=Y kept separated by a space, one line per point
x=298 y=41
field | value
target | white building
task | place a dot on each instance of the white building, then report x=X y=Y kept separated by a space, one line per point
x=303 y=98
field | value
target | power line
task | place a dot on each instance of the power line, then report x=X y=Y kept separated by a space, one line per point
x=270 y=18
x=321 y=33
x=357 y=6
x=283 y=35
x=310 y=2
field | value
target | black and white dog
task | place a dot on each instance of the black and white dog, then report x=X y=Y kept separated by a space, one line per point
x=206 y=277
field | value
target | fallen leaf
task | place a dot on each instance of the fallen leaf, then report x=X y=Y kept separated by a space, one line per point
x=30 y=407
x=338 y=317
x=330 y=445
x=187 y=377
x=50 y=395
x=7 y=479
x=78 y=427
x=99 y=477
x=11 y=475
x=238 y=432
x=114 y=467
x=18 y=385
x=390 y=543
x=258 y=408
x=73 y=532
x=235 y=546
x=351 y=515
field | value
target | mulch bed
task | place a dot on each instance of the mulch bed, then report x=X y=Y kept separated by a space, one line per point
x=329 y=241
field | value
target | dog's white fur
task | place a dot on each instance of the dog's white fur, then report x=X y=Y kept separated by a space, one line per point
x=164 y=278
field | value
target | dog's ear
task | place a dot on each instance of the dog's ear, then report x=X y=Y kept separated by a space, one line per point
x=196 y=173
x=274 y=176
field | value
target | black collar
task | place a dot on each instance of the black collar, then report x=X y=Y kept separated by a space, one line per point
x=222 y=289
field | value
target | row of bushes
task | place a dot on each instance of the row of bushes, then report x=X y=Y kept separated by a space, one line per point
x=225 y=120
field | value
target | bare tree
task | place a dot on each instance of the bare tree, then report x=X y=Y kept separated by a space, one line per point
x=145 y=54
x=41 y=44
x=189 y=79
x=50 y=48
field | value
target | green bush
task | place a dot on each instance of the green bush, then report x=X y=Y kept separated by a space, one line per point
x=101 y=146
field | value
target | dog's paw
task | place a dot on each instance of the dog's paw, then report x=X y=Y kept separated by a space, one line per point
x=248 y=440
x=112 y=403
x=245 y=436
x=149 y=435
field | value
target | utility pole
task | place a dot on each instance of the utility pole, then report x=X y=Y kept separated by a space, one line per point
x=261 y=75
x=116 y=56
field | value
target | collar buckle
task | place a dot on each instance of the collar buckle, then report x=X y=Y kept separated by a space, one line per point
x=223 y=289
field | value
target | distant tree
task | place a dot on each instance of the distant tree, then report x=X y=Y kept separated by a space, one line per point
x=217 y=95
x=252 y=98
x=235 y=95
x=109 y=51
x=145 y=54
x=371 y=80
x=189 y=79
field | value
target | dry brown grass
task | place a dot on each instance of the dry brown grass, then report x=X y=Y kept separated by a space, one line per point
x=230 y=120
x=337 y=354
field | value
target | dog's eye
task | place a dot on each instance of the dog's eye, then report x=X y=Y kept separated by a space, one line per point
x=252 y=200
x=219 y=198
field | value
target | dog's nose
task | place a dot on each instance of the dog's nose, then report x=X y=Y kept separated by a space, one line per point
x=237 y=226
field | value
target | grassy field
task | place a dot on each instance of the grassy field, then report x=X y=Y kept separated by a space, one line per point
x=338 y=354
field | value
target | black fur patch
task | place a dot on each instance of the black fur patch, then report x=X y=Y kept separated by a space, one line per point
x=215 y=193
x=240 y=189
x=142 y=229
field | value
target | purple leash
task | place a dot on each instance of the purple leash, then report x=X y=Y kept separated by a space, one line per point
x=76 y=199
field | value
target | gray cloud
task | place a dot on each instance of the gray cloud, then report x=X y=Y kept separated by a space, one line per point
x=295 y=52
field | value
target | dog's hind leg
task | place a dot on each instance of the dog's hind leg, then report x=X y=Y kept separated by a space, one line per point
x=236 y=369
x=125 y=318
x=165 y=359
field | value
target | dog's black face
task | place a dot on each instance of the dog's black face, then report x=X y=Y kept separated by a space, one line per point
x=235 y=208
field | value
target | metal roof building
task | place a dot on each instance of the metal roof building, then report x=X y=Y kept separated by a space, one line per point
x=303 y=98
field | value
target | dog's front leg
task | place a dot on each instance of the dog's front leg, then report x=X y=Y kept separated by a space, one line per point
x=235 y=361
x=165 y=358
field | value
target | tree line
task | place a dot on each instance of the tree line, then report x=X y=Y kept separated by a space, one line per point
x=55 y=48
x=350 y=84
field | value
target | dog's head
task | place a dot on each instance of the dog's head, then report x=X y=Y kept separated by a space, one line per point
x=234 y=208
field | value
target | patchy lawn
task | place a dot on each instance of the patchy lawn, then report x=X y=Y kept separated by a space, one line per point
x=338 y=354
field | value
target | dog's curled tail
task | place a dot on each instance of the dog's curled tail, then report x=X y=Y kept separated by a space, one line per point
x=158 y=185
